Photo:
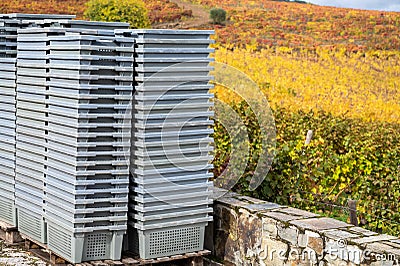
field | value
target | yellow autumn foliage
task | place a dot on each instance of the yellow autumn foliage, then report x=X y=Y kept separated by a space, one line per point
x=356 y=85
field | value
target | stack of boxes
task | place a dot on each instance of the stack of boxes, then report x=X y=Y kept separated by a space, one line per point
x=171 y=142
x=84 y=140
x=96 y=119
x=88 y=160
x=9 y=25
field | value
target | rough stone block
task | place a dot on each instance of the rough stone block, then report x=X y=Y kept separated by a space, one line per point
x=225 y=246
x=302 y=240
x=274 y=252
x=297 y=212
x=315 y=242
x=355 y=254
x=259 y=207
x=296 y=256
x=395 y=251
x=371 y=239
x=269 y=227
x=312 y=256
x=217 y=210
x=337 y=234
x=395 y=241
x=288 y=234
x=280 y=216
x=343 y=251
x=250 y=200
x=378 y=247
x=362 y=231
x=249 y=235
x=231 y=202
x=392 y=244
x=237 y=258
x=318 y=224
x=312 y=234
x=229 y=219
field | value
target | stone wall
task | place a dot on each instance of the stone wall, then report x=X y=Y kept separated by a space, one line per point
x=247 y=231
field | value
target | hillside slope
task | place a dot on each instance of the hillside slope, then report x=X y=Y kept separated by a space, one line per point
x=160 y=11
x=272 y=23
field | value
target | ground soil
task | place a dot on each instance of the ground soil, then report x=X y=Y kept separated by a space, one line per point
x=199 y=19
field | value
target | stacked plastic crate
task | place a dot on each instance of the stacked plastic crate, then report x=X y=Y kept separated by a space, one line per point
x=31 y=132
x=90 y=88
x=8 y=35
x=9 y=24
x=171 y=144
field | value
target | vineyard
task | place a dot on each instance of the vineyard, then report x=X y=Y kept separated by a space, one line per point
x=359 y=85
x=271 y=23
x=332 y=70
x=160 y=11
x=335 y=71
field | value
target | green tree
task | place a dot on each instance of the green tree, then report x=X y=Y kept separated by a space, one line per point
x=218 y=15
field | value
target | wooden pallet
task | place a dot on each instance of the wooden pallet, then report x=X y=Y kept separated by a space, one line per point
x=10 y=234
x=41 y=251
x=193 y=258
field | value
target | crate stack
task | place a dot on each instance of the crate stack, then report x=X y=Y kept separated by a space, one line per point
x=171 y=142
x=90 y=88
x=9 y=25
x=8 y=51
x=32 y=120
x=82 y=159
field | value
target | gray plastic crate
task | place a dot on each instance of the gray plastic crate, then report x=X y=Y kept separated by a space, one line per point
x=94 y=245
x=32 y=224
x=167 y=241
x=170 y=154
x=7 y=210
x=72 y=118
x=182 y=214
x=7 y=140
x=87 y=176
x=173 y=221
x=63 y=110
x=31 y=139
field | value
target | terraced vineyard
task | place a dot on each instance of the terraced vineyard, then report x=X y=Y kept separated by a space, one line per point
x=160 y=11
x=271 y=23
x=335 y=71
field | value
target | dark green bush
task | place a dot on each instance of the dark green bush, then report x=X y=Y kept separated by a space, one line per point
x=218 y=15
x=346 y=159
x=131 y=11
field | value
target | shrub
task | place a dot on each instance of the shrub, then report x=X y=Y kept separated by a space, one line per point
x=131 y=11
x=218 y=15
x=347 y=158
